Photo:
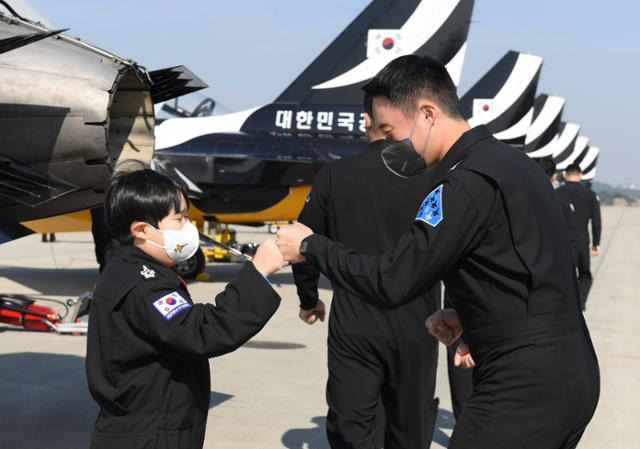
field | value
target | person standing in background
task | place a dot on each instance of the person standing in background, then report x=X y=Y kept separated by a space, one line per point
x=587 y=208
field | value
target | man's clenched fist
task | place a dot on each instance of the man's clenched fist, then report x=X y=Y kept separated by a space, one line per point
x=289 y=240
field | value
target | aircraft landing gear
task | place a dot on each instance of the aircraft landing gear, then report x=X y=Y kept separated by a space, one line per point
x=193 y=266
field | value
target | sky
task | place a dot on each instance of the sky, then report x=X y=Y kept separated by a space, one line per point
x=249 y=51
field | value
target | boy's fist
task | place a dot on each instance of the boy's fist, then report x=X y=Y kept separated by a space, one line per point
x=268 y=258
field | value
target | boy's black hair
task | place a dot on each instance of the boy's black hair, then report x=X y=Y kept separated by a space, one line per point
x=573 y=169
x=143 y=195
x=548 y=165
x=407 y=79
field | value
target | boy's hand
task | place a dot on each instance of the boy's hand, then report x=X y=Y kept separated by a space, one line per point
x=268 y=258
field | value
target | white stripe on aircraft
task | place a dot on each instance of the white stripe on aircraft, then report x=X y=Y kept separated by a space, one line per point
x=550 y=110
x=569 y=133
x=518 y=130
x=425 y=21
x=592 y=154
x=175 y=131
x=580 y=146
x=520 y=78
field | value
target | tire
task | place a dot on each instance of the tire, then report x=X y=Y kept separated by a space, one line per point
x=193 y=266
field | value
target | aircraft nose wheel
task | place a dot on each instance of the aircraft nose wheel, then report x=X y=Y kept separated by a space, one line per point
x=192 y=267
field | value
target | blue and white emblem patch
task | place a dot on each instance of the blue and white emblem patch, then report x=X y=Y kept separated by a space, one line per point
x=431 y=209
x=169 y=305
x=308 y=198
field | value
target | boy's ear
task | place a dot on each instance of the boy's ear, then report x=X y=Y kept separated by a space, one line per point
x=138 y=230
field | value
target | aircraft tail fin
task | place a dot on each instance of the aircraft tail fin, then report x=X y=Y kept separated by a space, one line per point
x=385 y=30
x=505 y=94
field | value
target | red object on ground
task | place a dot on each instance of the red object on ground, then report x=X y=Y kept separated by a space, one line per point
x=20 y=316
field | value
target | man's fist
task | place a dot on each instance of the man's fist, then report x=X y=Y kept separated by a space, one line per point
x=268 y=258
x=595 y=251
x=312 y=315
x=444 y=325
x=289 y=240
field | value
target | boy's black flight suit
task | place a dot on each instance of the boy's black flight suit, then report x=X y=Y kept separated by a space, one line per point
x=373 y=354
x=587 y=207
x=148 y=347
x=493 y=230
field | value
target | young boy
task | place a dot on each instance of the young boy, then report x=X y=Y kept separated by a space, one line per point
x=148 y=344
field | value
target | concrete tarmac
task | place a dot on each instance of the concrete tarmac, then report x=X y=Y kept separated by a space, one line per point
x=270 y=393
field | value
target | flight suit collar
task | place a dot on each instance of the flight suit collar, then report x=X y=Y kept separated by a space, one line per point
x=150 y=268
x=459 y=150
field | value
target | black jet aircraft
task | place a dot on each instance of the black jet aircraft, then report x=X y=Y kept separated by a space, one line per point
x=256 y=166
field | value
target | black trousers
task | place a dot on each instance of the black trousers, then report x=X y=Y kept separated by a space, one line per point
x=584 y=273
x=365 y=371
x=534 y=395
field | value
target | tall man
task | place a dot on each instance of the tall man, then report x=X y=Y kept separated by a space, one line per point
x=374 y=355
x=492 y=229
x=587 y=207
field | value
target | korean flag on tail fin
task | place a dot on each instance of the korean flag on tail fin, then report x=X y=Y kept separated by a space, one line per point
x=431 y=211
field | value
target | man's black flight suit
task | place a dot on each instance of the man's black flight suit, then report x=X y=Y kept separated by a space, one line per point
x=461 y=380
x=148 y=348
x=493 y=231
x=587 y=207
x=373 y=354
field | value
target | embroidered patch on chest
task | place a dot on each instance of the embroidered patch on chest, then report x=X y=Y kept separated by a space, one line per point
x=169 y=305
x=147 y=272
x=431 y=211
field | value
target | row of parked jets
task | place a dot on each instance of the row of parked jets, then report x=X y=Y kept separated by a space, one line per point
x=72 y=114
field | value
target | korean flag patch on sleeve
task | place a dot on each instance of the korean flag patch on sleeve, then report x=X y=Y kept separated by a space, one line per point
x=169 y=305
x=431 y=208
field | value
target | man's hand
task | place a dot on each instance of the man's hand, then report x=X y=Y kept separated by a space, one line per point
x=463 y=358
x=289 y=240
x=268 y=258
x=595 y=251
x=312 y=315
x=444 y=325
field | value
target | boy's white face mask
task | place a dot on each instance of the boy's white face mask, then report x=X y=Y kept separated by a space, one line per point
x=180 y=244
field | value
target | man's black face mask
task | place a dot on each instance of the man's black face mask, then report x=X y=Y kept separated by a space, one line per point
x=401 y=158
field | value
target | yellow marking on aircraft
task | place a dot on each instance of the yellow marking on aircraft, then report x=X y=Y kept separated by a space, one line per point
x=287 y=209
x=73 y=222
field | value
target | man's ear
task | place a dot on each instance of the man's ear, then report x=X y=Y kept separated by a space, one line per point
x=138 y=229
x=367 y=120
x=429 y=110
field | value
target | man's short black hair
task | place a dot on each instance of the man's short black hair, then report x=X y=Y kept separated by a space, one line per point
x=573 y=169
x=143 y=195
x=548 y=165
x=407 y=79
x=367 y=102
